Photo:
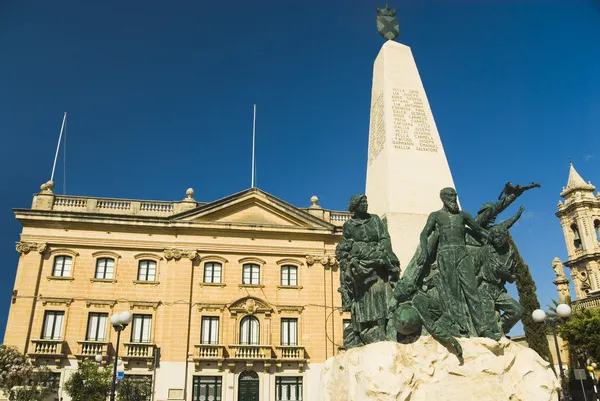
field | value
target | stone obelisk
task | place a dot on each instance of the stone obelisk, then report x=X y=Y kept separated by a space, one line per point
x=407 y=166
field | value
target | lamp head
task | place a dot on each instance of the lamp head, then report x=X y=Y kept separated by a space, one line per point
x=98 y=358
x=126 y=317
x=115 y=320
x=563 y=310
x=538 y=315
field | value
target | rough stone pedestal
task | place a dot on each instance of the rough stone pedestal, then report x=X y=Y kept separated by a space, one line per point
x=426 y=371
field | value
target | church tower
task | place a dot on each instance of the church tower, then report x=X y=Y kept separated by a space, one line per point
x=580 y=219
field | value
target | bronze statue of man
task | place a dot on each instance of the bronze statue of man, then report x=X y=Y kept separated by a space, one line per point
x=495 y=264
x=458 y=282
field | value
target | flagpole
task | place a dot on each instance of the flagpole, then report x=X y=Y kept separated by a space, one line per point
x=253 y=142
x=58 y=146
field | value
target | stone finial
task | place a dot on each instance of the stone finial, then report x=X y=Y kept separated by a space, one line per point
x=576 y=183
x=315 y=202
x=47 y=186
x=190 y=193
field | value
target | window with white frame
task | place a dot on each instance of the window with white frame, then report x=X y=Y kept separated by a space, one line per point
x=53 y=321
x=288 y=388
x=251 y=274
x=62 y=266
x=289 y=331
x=141 y=329
x=212 y=272
x=210 y=330
x=105 y=268
x=96 y=328
x=289 y=275
x=147 y=270
x=249 y=331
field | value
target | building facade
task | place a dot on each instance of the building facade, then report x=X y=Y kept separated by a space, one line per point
x=232 y=300
x=579 y=216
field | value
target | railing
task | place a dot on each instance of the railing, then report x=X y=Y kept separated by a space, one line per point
x=108 y=204
x=138 y=350
x=156 y=207
x=62 y=203
x=92 y=348
x=209 y=351
x=291 y=352
x=340 y=217
x=249 y=352
x=47 y=347
x=592 y=302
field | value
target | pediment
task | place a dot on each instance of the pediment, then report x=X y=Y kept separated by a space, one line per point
x=250 y=305
x=253 y=207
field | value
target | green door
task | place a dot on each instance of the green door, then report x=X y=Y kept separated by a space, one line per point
x=248 y=386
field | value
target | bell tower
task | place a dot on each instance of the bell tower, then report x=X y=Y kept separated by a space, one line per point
x=579 y=216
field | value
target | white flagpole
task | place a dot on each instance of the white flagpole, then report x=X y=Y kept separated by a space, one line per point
x=253 y=142
x=58 y=145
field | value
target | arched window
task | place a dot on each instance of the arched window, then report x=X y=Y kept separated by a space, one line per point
x=249 y=331
x=62 y=266
x=105 y=268
x=576 y=236
x=597 y=229
x=251 y=274
x=212 y=272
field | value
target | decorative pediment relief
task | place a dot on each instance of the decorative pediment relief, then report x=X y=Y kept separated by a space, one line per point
x=143 y=305
x=251 y=306
x=327 y=261
x=176 y=254
x=56 y=301
x=253 y=207
x=25 y=247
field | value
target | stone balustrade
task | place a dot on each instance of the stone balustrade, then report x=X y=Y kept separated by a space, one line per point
x=290 y=352
x=250 y=352
x=44 y=347
x=209 y=351
x=92 y=348
x=138 y=350
x=129 y=207
x=591 y=302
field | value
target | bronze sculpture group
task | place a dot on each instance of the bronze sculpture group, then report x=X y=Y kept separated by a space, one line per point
x=454 y=286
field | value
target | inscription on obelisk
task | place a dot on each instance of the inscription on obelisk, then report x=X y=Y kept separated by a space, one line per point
x=407 y=166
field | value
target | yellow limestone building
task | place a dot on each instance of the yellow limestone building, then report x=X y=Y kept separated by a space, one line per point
x=232 y=300
x=579 y=216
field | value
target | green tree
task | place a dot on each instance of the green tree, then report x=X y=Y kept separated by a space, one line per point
x=134 y=389
x=582 y=331
x=89 y=382
x=535 y=333
x=20 y=380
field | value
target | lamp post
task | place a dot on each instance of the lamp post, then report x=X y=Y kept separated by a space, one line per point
x=119 y=321
x=591 y=368
x=539 y=316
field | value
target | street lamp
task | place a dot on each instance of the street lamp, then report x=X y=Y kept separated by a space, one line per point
x=119 y=322
x=539 y=316
x=98 y=358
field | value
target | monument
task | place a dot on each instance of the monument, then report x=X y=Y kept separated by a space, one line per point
x=406 y=164
x=437 y=331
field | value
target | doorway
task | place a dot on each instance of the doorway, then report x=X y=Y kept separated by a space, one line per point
x=248 y=386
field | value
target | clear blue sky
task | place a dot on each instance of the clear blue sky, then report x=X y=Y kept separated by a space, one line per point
x=160 y=95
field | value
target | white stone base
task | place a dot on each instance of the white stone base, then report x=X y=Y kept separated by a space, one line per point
x=426 y=371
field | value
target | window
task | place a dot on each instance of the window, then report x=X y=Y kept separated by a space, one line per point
x=576 y=236
x=62 y=266
x=289 y=331
x=289 y=275
x=288 y=388
x=96 y=328
x=251 y=274
x=145 y=382
x=210 y=330
x=140 y=331
x=207 y=388
x=212 y=272
x=597 y=229
x=53 y=321
x=147 y=270
x=105 y=268
x=249 y=331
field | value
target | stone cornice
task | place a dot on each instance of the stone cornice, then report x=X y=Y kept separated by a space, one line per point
x=569 y=208
x=583 y=258
x=176 y=254
x=25 y=247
